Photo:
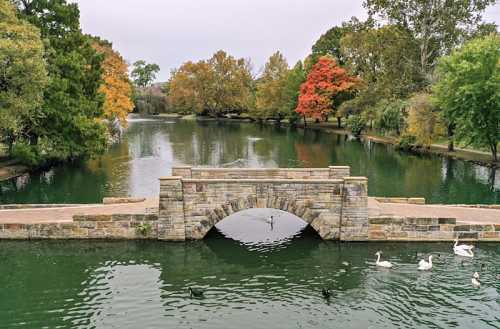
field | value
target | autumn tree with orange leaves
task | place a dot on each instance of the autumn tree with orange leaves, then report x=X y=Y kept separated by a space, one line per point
x=325 y=81
x=116 y=85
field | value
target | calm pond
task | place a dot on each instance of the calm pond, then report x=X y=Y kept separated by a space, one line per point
x=151 y=146
x=253 y=275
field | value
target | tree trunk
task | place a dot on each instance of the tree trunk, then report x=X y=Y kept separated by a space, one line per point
x=305 y=122
x=451 y=145
x=339 y=122
x=326 y=118
x=494 y=152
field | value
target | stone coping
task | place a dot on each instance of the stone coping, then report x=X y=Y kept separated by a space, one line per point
x=265 y=180
x=404 y=200
x=259 y=169
x=45 y=206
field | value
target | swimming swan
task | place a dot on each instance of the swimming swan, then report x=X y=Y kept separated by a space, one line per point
x=423 y=265
x=270 y=220
x=463 y=250
x=384 y=263
x=462 y=246
x=475 y=280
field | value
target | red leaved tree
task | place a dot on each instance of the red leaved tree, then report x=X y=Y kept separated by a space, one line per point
x=324 y=82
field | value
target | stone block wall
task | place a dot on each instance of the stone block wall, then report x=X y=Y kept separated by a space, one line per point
x=206 y=202
x=393 y=228
x=354 y=225
x=119 y=227
x=332 y=172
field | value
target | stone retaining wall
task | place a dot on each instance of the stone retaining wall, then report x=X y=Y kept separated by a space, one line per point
x=119 y=227
x=393 y=228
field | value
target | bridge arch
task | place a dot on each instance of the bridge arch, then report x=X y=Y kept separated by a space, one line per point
x=304 y=211
x=195 y=199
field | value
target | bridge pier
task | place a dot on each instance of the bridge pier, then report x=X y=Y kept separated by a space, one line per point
x=193 y=200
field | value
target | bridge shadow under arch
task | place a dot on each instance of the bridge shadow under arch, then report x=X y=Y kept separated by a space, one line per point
x=301 y=210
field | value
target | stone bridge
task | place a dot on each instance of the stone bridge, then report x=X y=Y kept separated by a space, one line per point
x=193 y=200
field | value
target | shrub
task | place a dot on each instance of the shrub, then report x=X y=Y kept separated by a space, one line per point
x=356 y=123
x=406 y=143
x=26 y=154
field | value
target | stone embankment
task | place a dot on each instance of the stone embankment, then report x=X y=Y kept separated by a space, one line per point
x=195 y=199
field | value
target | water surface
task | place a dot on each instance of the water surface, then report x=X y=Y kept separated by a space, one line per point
x=151 y=146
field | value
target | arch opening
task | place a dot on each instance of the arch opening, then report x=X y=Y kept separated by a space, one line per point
x=254 y=228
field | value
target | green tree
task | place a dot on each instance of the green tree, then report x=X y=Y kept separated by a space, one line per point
x=437 y=25
x=144 y=74
x=270 y=97
x=69 y=127
x=468 y=92
x=291 y=91
x=23 y=75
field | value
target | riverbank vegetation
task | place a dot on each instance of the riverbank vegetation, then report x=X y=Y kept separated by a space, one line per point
x=61 y=91
x=423 y=72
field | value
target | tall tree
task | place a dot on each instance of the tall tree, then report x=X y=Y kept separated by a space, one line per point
x=325 y=81
x=468 y=92
x=270 y=95
x=144 y=74
x=291 y=91
x=214 y=87
x=385 y=58
x=23 y=75
x=69 y=128
x=116 y=84
x=437 y=25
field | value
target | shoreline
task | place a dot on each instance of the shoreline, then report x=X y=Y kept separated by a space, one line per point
x=10 y=168
x=469 y=155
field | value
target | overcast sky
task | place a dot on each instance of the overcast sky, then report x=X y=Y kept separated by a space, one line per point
x=170 y=32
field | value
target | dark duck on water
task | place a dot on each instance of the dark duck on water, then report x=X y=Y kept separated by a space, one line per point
x=195 y=292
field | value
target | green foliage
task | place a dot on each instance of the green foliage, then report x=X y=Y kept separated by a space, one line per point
x=468 y=92
x=390 y=115
x=144 y=228
x=23 y=75
x=375 y=55
x=406 y=143
x=291 y=91
x=26 y=154
x=437 y=26
x=144 y=74
x=68 y=126
x=356 y=124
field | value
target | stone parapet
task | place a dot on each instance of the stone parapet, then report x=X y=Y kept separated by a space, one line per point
x=335 y=172
x=419 y=201
x=394 y=228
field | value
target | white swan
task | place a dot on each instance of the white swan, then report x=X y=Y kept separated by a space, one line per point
x=270 y=220
x=424 y=265
x=475 y=280
x=462 y=246
x=384 y=263
x=463 y=250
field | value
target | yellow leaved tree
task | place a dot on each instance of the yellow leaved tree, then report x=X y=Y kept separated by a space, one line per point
x=116 y=85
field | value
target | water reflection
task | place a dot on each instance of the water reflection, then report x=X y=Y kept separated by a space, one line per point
x=139 y=284
x=152 y=146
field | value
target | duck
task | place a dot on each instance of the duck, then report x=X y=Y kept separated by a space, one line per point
x=384 y=263
x=326 y=292
x=270 y=220
x=195 y=292
x=475 y=280
x=424 y=265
